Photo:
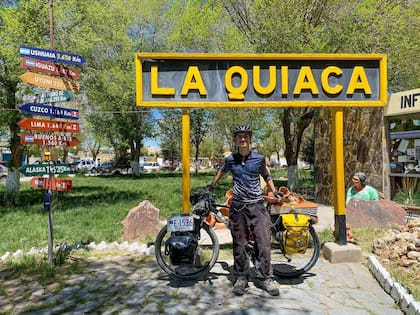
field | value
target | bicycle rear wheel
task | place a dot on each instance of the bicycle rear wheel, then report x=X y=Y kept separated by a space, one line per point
x=293 y=265
x=205 y=257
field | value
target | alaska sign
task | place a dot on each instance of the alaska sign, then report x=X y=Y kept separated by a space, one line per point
x=50 y=68
x=48 y=125
x=260 y=80
x=45 y=169
x=51 y=55
x=49 y=111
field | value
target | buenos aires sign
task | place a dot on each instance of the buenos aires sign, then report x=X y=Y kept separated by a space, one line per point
x=48 y=139
x=260 y=80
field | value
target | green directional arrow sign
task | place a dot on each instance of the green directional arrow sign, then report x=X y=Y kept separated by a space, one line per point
x=45 y=169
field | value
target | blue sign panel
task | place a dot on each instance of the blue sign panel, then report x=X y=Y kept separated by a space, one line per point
x=49 y=111
x=51 y=55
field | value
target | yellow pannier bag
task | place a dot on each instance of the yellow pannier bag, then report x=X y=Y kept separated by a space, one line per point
x=296 y=232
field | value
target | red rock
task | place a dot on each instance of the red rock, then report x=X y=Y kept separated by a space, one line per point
x=377 y=214
x=141 y=221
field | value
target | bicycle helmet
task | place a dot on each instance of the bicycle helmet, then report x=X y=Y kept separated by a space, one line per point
x=242 y=128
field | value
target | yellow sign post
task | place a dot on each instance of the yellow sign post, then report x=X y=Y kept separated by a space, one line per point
x=264 y=80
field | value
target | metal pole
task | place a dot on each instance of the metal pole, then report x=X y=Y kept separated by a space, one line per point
x=51 y=24
x=49 y=199
x=186 y=160
x=338 y=175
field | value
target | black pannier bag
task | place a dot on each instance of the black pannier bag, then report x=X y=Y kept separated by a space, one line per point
x=181 y=247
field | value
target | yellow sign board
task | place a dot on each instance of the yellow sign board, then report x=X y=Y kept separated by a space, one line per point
x=260 y=80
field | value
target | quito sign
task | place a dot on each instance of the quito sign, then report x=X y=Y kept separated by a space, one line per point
x=260 y=80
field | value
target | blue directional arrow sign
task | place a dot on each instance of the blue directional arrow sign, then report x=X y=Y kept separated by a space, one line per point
x=51 y=55
x=49 y=111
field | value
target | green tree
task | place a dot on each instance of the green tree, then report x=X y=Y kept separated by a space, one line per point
x=23 y=24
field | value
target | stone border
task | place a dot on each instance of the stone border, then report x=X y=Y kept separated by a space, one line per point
x=400 y=295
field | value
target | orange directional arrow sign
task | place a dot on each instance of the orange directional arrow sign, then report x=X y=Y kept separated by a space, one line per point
x=47 y=82
x=58 y=184
x=50 y=68
x=48 y=139
x=48 y=125
x=37 y=182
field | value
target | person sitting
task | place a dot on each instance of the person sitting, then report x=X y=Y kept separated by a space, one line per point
x=360 y=189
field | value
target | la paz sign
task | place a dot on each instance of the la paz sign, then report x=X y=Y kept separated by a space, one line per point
x=260 y=80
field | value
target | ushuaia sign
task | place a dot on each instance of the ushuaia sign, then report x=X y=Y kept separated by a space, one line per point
x=260 y=80
x=51 y=55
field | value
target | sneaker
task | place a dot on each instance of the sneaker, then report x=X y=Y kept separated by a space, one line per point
x=268 y=286
x=240 y=286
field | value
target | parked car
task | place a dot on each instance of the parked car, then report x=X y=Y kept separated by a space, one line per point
x=87 y=164
x=105 y=168
x=3 y=171
x=151 y=166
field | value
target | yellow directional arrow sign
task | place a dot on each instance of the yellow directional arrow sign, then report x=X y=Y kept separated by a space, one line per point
x=47 y=82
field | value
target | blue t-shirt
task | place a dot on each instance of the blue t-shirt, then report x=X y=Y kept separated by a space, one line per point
x=246 y=173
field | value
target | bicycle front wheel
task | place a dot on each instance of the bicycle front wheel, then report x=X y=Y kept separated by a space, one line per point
x=205 y=256
x=294 y=265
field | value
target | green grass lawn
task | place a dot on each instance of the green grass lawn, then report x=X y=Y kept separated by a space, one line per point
x=93 y=209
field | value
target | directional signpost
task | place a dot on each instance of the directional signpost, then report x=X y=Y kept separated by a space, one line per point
x=49 y=61
x=47 y=82
x=48 y=125
x=48 y=140
x=54 y=96
x=51 y=183
x=50 y=68
x=51 y=55
x=49 y=111
x=45 y=169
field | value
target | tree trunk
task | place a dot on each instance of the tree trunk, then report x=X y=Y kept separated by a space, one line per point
x=362 y=149
x=12 y=187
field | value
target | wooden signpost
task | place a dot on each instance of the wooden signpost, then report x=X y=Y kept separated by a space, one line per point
x=47 y=82
x=51 y=55
x=48 y=140
x=52 y=183
x=49 y=111
x=50 y=68
x=48 y=125
x=48 y=169
x=53 y=96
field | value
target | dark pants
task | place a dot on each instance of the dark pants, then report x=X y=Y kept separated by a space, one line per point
x=256 y=217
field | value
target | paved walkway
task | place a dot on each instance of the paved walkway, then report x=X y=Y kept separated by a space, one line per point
x=134 y=285
x=123 y=285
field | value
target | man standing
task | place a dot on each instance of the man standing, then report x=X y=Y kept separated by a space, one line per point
x=248 y=211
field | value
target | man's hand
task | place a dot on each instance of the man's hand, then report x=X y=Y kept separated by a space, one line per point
x=210 y=187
